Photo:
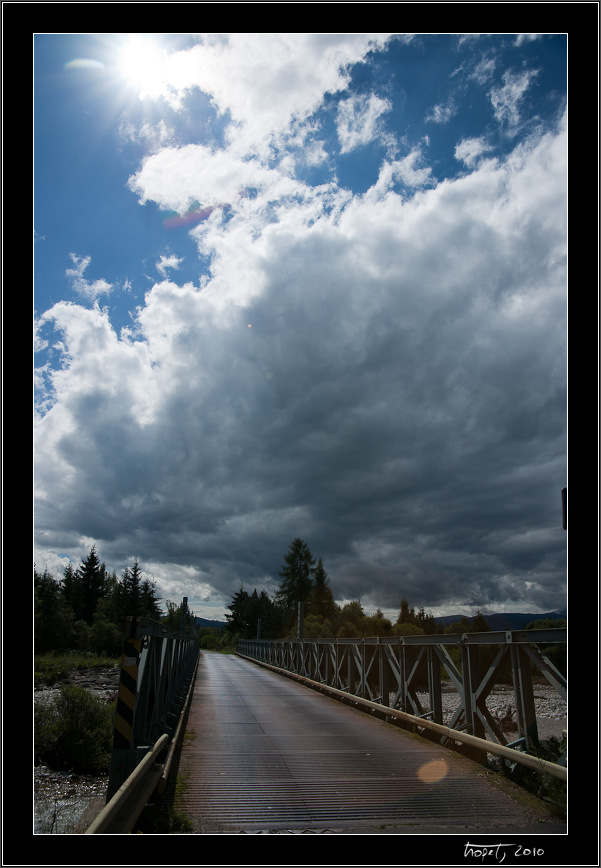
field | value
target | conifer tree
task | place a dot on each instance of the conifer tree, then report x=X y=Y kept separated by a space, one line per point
x=91 y=577
x=296 y=573
x=321 y=601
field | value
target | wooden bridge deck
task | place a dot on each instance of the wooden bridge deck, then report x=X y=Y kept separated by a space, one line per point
x=264 y=753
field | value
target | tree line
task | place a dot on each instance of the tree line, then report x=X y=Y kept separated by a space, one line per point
x=85 y=610
x=305 y=581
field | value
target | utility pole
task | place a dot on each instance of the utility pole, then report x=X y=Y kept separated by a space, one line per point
x=300 y=628
x=184 y=615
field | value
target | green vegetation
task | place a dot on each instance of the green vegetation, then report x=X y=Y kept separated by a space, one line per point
x=306 y=581
x=74 y=732
x=54 y=666
x=544 y=786
x=79 y=623
x=556 y=654
x=85 y=610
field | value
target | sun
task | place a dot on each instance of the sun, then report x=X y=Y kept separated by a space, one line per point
x=142 y=64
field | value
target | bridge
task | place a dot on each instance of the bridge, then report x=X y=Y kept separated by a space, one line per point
x=331 y=736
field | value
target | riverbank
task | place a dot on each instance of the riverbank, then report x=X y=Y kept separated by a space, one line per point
x=66 y=803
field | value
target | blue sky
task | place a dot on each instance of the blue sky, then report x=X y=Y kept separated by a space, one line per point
x=304 y=285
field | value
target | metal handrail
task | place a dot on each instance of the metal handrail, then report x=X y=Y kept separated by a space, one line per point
x=508 y=753
x=125 y=806
x=119 y=815
x=376 y=668
x=157 y=667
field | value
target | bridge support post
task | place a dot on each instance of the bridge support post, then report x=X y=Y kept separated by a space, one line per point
x=470 y=664
x=524 y=695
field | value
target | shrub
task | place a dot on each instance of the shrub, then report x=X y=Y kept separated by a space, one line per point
x=74 y=732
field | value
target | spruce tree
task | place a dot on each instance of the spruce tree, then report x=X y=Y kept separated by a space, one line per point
x=296 y=574
x=321 y=602
x=91 y=577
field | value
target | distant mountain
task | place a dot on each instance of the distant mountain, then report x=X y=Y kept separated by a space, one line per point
x=203 y=622
x=507 y=620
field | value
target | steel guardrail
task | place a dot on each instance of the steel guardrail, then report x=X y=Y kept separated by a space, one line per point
x=157 y=664
x=121 y=813
x=508 y=753
x=392 y=671
x=123 y=810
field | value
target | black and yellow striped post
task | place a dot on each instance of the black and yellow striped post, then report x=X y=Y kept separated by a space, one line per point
x=126 y=706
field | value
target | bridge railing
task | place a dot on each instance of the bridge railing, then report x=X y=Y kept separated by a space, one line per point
x=157 y=666
x=392 y=671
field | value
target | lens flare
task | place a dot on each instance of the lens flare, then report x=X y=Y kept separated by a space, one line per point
x=433 y=772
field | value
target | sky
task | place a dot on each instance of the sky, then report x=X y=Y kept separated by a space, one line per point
x=304 y=285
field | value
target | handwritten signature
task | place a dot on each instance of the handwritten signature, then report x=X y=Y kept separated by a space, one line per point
x=498 y=852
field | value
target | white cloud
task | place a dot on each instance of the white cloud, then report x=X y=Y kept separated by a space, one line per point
x=358 y=120
x=377 y=373
x=442 y=113
x=89 y=290
x=175 y=178
x=506 y=99
x=403 y=364
x=471 y=150
x=263 y=82
x=167 y=262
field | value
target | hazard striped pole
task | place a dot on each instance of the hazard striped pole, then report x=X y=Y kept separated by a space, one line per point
x=126 y=699
x=126 y=702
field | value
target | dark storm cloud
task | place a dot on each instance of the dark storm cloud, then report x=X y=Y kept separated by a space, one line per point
x=391 y=390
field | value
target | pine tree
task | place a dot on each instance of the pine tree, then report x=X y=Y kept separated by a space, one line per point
x=91 y=576
x=296 y=573
x=72 y=592
x=149 y=601
x=132 y=590
x=321 y=601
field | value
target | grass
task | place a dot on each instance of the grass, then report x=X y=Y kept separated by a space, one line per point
x=544 y=786
x=53 y=667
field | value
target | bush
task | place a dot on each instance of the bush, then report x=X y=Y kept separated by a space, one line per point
x=74 y=733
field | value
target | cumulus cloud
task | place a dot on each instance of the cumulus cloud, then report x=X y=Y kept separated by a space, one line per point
x=379 y=373
x=399 y=381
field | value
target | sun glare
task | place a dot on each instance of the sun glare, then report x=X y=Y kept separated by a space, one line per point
x=142 y=65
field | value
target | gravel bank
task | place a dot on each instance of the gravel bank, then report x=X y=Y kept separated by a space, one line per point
x=551 y=708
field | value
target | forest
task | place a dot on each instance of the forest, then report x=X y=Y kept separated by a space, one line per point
x=305 y=580
x=85 y=610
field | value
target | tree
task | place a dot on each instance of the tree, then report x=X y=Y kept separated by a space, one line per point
x=91 y=577
x=377 y=624
x=246 y=610
x=178 y=619
x=296 y=573
x=406 y=615
x=237 y=620
x=53 y=619
x=480 y=624
x=72 y=591
x=321 y=600
x=149 y=601
x=131 y=590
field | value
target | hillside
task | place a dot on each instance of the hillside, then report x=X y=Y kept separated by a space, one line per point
x=497 y=621
x=507 y=620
